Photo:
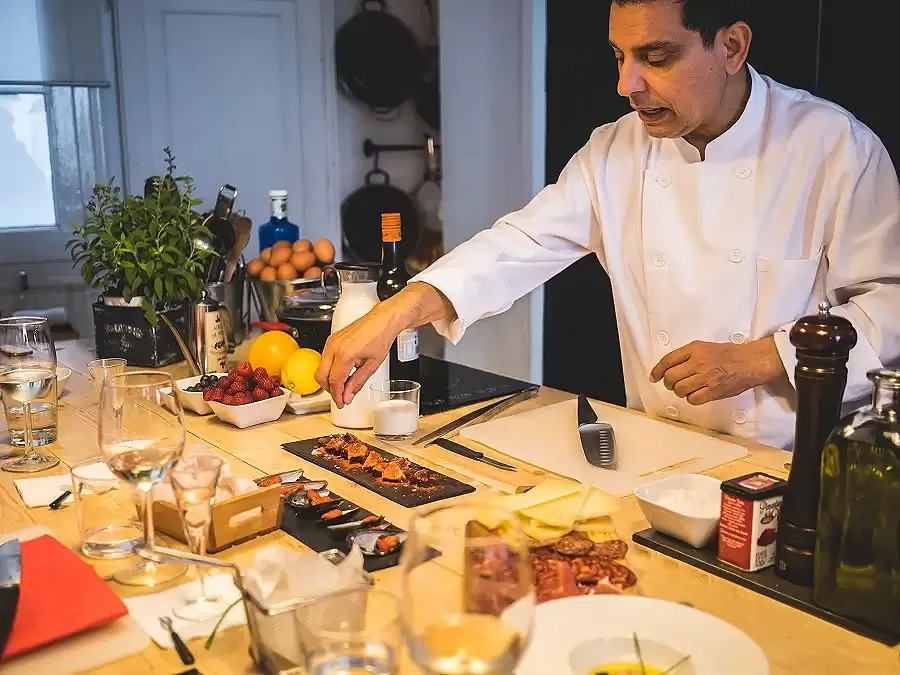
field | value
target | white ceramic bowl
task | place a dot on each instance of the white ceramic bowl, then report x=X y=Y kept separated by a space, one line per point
x=258 y=412
x=691 y=528
x=193 y=400
x=588 y=656
x=62 y=378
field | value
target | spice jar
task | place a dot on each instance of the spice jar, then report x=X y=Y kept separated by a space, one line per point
x=748 y=525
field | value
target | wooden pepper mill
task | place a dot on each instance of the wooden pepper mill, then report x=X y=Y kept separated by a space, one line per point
x=823 y=344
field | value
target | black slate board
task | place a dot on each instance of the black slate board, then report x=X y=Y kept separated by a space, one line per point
x=404 y=495
x=764 y=582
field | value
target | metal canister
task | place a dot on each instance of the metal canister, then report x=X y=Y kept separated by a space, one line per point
x=208 y=342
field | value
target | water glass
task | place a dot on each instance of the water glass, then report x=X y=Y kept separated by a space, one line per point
x=102 y=369
x=395 y=409
x=352 y=632
x=106 y=524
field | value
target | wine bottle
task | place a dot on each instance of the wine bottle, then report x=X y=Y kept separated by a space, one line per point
x=404 y=358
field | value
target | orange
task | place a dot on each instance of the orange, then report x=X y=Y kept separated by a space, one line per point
x=270 y=351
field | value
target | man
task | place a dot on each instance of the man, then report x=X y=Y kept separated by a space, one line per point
x=723 y=209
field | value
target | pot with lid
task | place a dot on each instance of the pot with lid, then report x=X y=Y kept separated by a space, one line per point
x=309 y=311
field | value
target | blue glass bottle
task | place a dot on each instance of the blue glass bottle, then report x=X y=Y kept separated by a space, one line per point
x=279 y=228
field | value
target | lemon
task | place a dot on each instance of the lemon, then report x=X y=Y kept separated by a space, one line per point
x=271 y=350
x=298 y=373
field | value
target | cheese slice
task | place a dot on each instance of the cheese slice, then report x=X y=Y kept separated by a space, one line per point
x=545 y=491
x=602 y=524
x=565 y=511
x=543 y=533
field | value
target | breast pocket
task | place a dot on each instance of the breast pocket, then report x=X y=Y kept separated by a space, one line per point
x=786 y=289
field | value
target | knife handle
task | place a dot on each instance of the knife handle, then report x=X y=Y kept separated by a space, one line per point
x=458 y=448
x=183 y=652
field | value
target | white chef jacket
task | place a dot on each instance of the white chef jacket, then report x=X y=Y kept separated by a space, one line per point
x=797 y=202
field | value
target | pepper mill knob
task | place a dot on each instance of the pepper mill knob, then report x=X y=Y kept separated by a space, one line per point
x=823 y=335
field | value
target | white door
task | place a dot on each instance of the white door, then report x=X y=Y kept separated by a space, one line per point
x=220 y=83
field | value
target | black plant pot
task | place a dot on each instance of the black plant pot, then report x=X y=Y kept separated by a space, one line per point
x=124 y=332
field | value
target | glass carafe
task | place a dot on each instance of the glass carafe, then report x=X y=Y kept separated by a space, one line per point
x=857 y=560
x=358 y=295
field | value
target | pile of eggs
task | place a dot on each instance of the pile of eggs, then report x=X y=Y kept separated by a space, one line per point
x=286 y=262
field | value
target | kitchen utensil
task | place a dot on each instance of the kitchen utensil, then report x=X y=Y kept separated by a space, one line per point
x=56 y=503
x=345 y=510
x=205 y=347
x=429 y=200
x=230 y=295
x=597 y=438
x=366 y=521
x=272 y=294
x=377 y=58
x=10 y=576
x=310 y=311
x=460 y=449
x=476 y=416
x=546 y=437
x=243 y=227
x=187 y=658
x=427 y=98
x=280 y=478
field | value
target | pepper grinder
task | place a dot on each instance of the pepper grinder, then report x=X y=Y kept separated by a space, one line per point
x=823 y=343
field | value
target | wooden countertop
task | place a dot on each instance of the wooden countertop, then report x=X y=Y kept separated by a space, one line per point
x=793 y=641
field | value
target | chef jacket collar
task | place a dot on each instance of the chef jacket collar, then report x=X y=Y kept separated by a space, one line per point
x=741 y=140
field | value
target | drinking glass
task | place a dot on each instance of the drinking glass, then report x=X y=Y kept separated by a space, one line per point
x=395 y=409
x=351 y=632
x=482 y=623
x=103 y=369
x=141 y=433
x=106 y=530
x=29 y=391
x=194 y=482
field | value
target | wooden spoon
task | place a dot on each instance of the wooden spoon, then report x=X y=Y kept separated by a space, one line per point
x=242 y=228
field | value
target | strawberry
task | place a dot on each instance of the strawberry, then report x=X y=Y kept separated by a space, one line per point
x=260 y=373
x=244 y=370
x=242 y=398
x=260 y=394
x=276 y=381
x=238 y=385
x=265 y=383
x=226 y=382
x=228 y=399
x=213 y=394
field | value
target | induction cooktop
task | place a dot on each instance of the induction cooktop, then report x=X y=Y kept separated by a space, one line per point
x=447 y=385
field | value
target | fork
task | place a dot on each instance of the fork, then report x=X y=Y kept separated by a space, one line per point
x=183 y=652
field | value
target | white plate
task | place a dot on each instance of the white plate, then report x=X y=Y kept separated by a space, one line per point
x=560 y=626
x=303 y=405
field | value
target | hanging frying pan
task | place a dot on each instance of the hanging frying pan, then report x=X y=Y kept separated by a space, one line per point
x=427 y=99
x=361 y=217
x=377 y=58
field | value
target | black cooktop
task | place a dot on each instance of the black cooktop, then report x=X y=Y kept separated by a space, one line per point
x=447 y=385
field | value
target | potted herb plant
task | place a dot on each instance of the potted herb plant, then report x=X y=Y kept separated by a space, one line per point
x=143 y=254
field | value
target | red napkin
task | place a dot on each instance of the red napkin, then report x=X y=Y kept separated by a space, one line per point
x=59 y=595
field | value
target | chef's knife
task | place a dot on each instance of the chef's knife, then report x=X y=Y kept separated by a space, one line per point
x=481 y=415
x=10 y=576
x=597 y=438
x=460 y=449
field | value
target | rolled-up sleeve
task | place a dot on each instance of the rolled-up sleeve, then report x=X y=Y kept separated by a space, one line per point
x=485 y=275
x=862 y=255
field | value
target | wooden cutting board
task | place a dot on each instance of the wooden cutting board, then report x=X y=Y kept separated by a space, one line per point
x=648 y=449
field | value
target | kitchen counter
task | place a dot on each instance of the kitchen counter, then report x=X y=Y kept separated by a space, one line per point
x=793 y=641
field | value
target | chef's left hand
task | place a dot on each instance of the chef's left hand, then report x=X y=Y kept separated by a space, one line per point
x=709 y=371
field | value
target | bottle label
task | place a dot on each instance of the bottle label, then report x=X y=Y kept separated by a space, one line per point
x=279 y=207
x=390 y=227
x=408 y=345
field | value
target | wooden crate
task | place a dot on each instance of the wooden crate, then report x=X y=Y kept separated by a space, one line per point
x=233 y=520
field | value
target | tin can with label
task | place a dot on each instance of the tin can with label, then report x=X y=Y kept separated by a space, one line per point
x=748 y=527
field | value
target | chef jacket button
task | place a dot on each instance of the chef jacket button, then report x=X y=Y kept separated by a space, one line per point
x=659 y=260
x=662 y=338
x=739 y=416
x=743 y=172
x=672 y=411
x=737 y=338
x=663 y=179
x=736 y=255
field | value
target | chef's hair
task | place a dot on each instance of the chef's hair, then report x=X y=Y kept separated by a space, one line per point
x=706 y=17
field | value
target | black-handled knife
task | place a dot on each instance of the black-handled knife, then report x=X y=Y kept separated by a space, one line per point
x=56 y=503
x=183 y=652
x=459 y=449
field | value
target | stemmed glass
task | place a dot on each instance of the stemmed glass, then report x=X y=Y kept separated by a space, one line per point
x=28 y=387
x=141 y=433
x=483 y=622
x=194 y=482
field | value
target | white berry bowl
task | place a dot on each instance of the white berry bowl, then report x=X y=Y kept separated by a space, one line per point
x=193 y=400
x=251 y=414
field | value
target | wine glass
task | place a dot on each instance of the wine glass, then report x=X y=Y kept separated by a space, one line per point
x=194 y=481
x=28 y=388
x=141 y=433
x=482 y=623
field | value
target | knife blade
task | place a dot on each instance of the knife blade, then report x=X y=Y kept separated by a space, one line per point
x=481 y=415
x=10 y=577
x=460 y=449
x=598 y=441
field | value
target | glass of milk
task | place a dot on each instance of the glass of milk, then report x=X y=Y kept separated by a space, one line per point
x=395 y=409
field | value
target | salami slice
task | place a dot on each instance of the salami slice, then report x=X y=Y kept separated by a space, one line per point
x=573 y=545
x=621 y=576
x=611 y=550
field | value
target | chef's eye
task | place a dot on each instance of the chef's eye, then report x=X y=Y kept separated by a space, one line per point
x=656 y=59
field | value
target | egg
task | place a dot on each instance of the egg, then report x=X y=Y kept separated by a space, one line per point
x=312 y=272
x=281 y=244
x=268 y=274
x=302 y=245
x=265 y=254
x=255 y=266
x=286 y=272
x=303 y=260
x=324 y=251
x=280 y=255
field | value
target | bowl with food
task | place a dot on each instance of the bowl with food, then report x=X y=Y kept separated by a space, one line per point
x=628 y=656
x=189 y=391
x=686 y=507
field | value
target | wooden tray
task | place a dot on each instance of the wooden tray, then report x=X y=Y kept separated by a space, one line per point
x=409 y=496
x=233 y=520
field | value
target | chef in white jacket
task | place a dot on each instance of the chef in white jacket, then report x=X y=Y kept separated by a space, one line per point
x=723 y=209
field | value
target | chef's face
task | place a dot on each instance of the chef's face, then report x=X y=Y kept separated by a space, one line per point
x=678 y=86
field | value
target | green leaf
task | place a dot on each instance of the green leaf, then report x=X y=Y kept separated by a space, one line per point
x=158 y=287
x=149 y=311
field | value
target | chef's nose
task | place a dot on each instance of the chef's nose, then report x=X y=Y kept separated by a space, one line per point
x=631 y=79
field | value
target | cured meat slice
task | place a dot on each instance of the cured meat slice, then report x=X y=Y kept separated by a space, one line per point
x=611 y=550
x=557 y=582
x=573 y=544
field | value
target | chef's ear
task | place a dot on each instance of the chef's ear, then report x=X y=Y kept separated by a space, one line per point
x=736 y=41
